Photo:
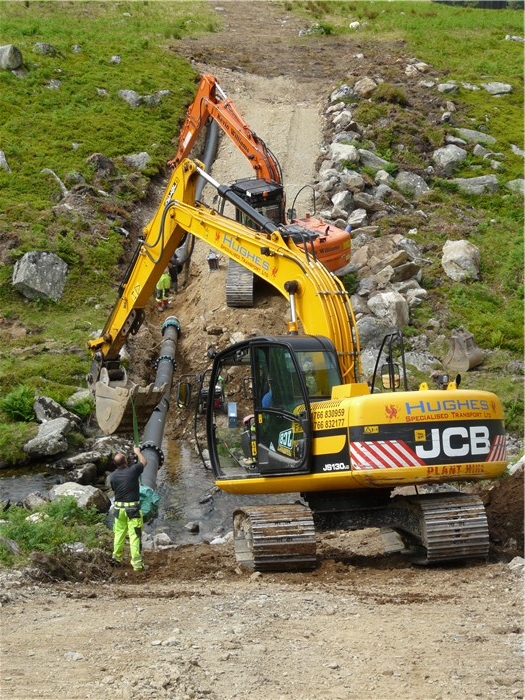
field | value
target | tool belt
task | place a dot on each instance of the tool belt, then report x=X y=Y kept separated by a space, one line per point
x=132 y=508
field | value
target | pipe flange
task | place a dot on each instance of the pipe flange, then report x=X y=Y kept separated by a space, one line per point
x=165 y=357
x=156 y=448
x=171 y=321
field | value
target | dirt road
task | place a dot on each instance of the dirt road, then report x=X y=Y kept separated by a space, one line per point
x=363 y=625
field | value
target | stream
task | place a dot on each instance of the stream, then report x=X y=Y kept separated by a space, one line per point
x=186 y=489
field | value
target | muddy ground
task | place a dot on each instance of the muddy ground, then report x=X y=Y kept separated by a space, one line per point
x=363 y=625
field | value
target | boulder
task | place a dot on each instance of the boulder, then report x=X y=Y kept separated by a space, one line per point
x=137 y=161
x=449 y=158
x=10 y=57
x=40 y=275
x=3 y=162
x=516 y=185
x=460 y=260
x=85 y=496
x=477 y=185
x=391 y=307
x=372 y=330
x=472 y=136
x=411 y=183
x=370 y=160
x=365 y=87
x=496 y=88
x=344 y=201
x=341 y=152
x=51 y=438
x=133 y=99
x=47 y=409
x=357 y=218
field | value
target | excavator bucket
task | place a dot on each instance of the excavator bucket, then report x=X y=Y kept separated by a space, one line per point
x=115 y=403
x=463 y=353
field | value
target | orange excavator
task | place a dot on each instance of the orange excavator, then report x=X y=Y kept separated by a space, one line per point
x=264 y=192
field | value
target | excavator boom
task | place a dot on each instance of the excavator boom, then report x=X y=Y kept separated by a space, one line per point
x=212 y=103
x=271 y=254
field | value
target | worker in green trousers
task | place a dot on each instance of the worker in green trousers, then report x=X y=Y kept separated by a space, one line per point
x=125 y=482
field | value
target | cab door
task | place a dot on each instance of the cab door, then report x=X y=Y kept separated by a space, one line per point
x=271 y=434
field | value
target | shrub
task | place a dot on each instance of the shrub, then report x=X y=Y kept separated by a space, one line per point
x=386 y=92
x=63 y=522
x=18 y=404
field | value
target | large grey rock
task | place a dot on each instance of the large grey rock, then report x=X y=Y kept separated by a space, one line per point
x=449 y=158
x=363 y=200
x=472 y=136
x=51 y=438
x=497 y=88
x=47 y=409
x=10 y=57
x=86 y=496
x=477 y=185
x=391 y=307
x=3 y=162
x=342 y=119
x=460 y=260
x=40 y=275
x=341 y=152
x=370 y=160
x=448 y=88
x=352 y=180
x=343 y=92
x=372 y=330
x=138 y=161
x=131 y=97
x=357 y=218
x=343 y=200
x=411 y=183
x=43 y=49
x=516 y=185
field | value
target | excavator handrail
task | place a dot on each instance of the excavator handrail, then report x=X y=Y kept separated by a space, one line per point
x=322 y=302
x=212 y=102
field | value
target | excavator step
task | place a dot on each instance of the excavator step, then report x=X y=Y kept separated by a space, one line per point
x=452 y=527
x=239 y=286
x=275 y=538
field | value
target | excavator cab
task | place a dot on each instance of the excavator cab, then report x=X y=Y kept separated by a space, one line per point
x=271 y=434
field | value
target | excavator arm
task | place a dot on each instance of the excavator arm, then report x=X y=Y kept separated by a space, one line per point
x=212 y=103
x=317 y=298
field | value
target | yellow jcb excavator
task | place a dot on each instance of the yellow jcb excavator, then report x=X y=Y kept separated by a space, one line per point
x=299 y=417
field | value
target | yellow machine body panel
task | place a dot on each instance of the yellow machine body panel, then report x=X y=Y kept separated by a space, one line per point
x=395 y=439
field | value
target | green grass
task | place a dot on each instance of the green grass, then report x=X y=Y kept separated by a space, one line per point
x=465 y=44
x=62 y=522
x=59 y=129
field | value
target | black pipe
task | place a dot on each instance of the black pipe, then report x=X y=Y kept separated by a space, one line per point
x=184 y=251
x=151 y=444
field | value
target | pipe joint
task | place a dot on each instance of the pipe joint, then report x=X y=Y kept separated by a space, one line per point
x=172 y=321
x=161 y=358
x=149 y=444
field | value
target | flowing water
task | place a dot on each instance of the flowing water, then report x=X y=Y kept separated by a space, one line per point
x=187 y=491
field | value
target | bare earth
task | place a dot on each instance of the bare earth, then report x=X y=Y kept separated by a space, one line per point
x=363 y=625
